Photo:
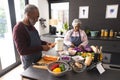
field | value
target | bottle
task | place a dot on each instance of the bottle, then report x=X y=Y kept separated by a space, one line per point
x=101 y=54
x=111 y=33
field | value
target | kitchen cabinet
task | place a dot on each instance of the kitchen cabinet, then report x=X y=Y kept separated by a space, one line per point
x=111 y=48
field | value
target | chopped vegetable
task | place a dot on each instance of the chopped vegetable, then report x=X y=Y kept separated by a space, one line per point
x=54 y=66
x=62 y=66
x=57 y=69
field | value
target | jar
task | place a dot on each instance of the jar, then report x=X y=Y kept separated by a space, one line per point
x=115 y=34
x=111 y=33
x=59 y=44
x=106 y=33
x=102 y=32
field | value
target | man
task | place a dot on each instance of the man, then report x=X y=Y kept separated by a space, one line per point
x=27 y=39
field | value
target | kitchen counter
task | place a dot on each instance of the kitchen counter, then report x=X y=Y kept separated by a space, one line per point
x=89 y=37
x=42 y=74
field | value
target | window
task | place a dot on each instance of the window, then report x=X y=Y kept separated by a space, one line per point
x=19 y=9
x=60 y=11
x=7 y=52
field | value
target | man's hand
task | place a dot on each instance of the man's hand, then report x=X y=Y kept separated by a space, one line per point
x=51 y=45
x=45 y=47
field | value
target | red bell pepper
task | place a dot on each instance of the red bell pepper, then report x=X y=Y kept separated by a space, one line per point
x=54 y=66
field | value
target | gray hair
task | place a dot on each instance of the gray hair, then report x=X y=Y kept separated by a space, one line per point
x=30 y=8
x=76 y=22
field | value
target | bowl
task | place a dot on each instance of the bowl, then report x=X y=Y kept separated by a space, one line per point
x=58 y=73
x=94 y=33
x=77 y=58
x=78 y=66
x=65 y=58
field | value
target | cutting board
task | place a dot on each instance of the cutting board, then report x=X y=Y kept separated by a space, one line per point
x=42 y=61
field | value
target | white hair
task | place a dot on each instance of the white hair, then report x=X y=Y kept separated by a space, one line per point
x=76 y=22
x=30 y=8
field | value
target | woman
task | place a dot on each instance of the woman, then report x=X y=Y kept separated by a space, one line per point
x=76 y=37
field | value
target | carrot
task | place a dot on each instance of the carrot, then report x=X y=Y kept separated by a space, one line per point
x=50 y=58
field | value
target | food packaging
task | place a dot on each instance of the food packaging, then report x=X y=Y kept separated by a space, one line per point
x=88 y=60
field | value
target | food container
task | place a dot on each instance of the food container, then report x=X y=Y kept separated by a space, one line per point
x=102 y=32
x=65 y=58
x=59 y=44
x=78 y=66
x=106 y=33
x=58 y=74
x=111 y=33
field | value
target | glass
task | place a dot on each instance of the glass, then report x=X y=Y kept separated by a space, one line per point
x=7 y=52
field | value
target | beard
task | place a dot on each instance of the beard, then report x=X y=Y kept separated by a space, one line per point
x=32 y=22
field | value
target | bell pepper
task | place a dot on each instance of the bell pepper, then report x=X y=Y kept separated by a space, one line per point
x=54 y=66
x=57 y=69
x=62 y=66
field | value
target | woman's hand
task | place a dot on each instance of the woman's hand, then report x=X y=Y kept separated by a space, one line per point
x=72 y=51
x=72 y=45
x=81 y=46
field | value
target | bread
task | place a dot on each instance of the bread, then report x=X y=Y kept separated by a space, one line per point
x=77 y=64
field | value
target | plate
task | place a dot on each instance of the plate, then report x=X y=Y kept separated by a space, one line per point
x=77 y=58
